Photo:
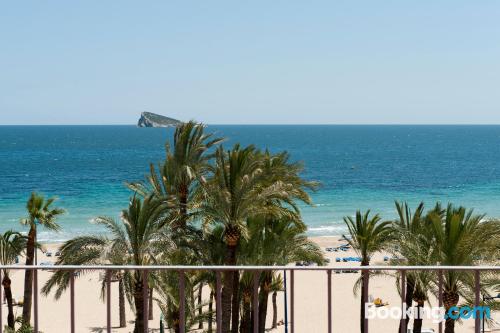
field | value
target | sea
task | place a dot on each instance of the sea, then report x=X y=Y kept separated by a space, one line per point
x=359 y=167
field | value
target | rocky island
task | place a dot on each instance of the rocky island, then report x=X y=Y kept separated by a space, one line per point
x=149 y=119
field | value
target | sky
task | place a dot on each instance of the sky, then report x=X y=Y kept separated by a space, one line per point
x=250 y=62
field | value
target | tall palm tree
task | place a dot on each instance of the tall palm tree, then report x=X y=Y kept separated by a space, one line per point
x=369 y=235
x=12 y=244
x=40 y=213
x=186 y=164
x=407 y=229
x=276 y=242
x=242 y=186
x=461 y=238
x=231 y=196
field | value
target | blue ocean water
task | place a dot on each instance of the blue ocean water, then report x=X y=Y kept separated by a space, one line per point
x=360 y=167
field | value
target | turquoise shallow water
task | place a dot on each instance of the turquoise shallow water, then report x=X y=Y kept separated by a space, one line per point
x=358 y=166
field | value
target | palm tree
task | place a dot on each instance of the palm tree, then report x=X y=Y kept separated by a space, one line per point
x=231 y=196
x=89 y=250
x=461 y=238
x=12 y=244
x=39 y=213
x=369 y=235
x=244 y=184
x=276 y=286
x=211 y=252
x=166 y=285
x=276 y=242
x=168 y=300
x=137 y=234
x=408 y=229
x=185 y=166
x=135 y=239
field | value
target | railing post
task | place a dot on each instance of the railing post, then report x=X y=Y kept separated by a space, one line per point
x=477 y=300
x=35 y=299
x=145 y=294
x=255 y=301
x=182 y=303
x=329 y=273
x=285 y=301
x=218 y=302
x=403 y=302
x=108 y=300
x=440 y=296
x=365 y=276
x=292 y=301
x=72 y=300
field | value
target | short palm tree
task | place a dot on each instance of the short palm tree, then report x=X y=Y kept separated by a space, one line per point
x=369 y=235
x=40 y=213
x=461 y=238
x=12 y=244
x=276 y=286
x=134 y=239
x=166 y=285
x=211 y=252
x=89 y=250
x=137 y=235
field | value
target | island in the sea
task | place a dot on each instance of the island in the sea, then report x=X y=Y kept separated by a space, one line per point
x=149 y=119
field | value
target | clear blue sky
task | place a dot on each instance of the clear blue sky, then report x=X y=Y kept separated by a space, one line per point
x=103 y=62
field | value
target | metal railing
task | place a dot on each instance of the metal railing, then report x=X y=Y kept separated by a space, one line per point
x=365 y=270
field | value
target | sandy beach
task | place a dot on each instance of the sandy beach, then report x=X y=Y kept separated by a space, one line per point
x=310 y=300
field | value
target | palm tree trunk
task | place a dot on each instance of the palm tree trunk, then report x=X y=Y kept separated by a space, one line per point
x=450 y=299
x=174 y=315
x=210 y=312
x=227 y=289
x=417 y=321
x=275 y=310
x=200 y=310
x=139 y=304
x=246 y=320
x=409 y=303
x=150 y=304
x=449 y=326
x=263 y=300
x=235 y=308
x=28 y=275
x=8 y=295
x=121 y=302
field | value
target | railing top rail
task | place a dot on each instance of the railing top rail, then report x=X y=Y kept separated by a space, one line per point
x=251 y=268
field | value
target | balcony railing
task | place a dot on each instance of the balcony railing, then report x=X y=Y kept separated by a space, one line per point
x=256 y=270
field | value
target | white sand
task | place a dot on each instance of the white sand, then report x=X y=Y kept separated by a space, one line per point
x=310 y=301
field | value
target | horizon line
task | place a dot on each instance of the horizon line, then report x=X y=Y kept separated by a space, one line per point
x=274 y=124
